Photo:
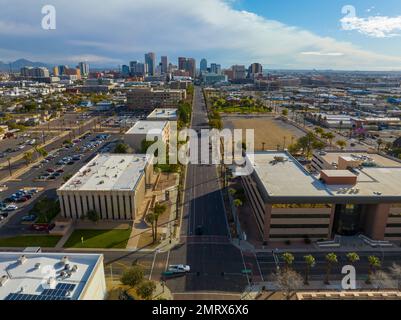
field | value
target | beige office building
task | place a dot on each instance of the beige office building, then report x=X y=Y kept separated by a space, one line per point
x=290 y=203
x=113 y=185
x=149 y=98
x=139 y=132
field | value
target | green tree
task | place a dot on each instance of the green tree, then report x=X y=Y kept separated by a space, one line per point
x=380 y=142
x=285 y=112
x=158 y=210
x=319 y=131
x=121 y=148
x=310 y=263
x=288 y=259
x=329 y=136
x=374 y=264
x=151 y=219
x=132 y=276
x=146 y=289
x=342 y=144
x=288 y=281
x=238 y=203
x=331 y=259
x=93 y=215
x=28 y=157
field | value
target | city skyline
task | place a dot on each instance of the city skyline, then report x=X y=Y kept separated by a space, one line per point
x=226 y=32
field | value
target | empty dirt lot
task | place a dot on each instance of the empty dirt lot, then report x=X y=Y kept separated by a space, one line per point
x=268 y=130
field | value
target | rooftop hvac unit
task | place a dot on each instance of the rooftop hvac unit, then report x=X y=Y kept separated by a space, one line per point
x=52 y=283
x=3 y=280
x=37 y=266
x=65 y=260
x=74 y=268
x=22 y=259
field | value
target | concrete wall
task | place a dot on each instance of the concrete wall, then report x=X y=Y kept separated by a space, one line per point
x=95 y=288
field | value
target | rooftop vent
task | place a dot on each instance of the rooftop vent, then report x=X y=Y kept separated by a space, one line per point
x=74 y=268
x=52 y=283
x=3 y=280
x=65 y=260
x=22 y=259
x=37 y=266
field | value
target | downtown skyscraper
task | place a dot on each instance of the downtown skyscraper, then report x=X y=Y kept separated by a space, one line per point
x=150 y=63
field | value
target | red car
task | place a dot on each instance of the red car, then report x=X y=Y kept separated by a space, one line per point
x=43 y=226
x=50 y=170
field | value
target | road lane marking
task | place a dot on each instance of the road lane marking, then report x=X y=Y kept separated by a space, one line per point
x=153 y=265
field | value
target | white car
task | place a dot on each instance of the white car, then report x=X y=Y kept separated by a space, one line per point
x=179 y=268
x=11 y=207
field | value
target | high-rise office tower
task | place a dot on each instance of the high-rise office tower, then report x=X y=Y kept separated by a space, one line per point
x=84 y=68
x=254 y=70
x=164 y=64
x=215 y=68
x=187 y=64
x=203 y=65
x=137 y=68
x=150 y=63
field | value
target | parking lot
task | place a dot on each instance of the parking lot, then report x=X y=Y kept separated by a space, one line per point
x=49 y=175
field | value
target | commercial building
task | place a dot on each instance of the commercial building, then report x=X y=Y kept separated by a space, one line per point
x=167 y=114
x=215 y=68
x=113 y=185
x=149 y=98
x=290 y=203
x=188 y=65
x=213 y=78
x=137 y=68
x=164 y=64
x=84 y=69
x=51 y=276
x=150 y=63
x=139 y=132
x=254 y=70
x=203 y=65
x=31 y=72
x=239 y=72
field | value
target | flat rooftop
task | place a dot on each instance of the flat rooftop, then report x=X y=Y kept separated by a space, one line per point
x=107 y=172
x=377 y=159
x=29 y=280
x=165 y=113
x=284 y=177
x=144 y=127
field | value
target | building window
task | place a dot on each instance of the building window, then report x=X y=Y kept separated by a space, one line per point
x=107 y=207
x=100 y=205
x=112 y=206
x=130 y=205
x=300 y=216
x=64 y=208
x=299 y=226
x=125 y=208
x=76 y=207
x=119 y=207
x=70 y=205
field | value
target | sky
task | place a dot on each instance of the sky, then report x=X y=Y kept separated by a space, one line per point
x=290 y=34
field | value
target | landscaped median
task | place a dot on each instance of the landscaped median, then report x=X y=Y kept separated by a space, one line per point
x=44 y=241
x=99 y=239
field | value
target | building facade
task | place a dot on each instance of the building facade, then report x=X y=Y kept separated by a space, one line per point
x=112 y=185
x=139 y=132
x=149 y=98
x=290 y=203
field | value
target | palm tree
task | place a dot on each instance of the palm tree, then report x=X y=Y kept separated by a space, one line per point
x=150 y=218
x=331 y=259
x=379 y=144
x=374 y=264
x=310 y=263
x=353 y=257
x=238 y=203
x=288 y=259
x=158 y=210
x=329 y=136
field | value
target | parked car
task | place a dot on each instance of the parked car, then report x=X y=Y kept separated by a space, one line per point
x=179 y=268
x=11 y=207
x=29 y=218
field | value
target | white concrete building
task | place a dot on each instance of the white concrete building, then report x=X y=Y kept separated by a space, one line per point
x=113 y=185
x=156 y=129
x=51 y=276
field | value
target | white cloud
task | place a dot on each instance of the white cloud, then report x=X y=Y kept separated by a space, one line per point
x=374 y=26
x=317 y=53
x=125 y=29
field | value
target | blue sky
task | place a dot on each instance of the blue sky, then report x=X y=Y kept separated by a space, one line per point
x=291 y=34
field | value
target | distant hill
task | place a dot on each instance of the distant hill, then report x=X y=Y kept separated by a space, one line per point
x=18 y=64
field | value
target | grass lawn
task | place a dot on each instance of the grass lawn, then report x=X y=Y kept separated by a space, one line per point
x=30 y=241
x=103 y=239
x=146 y=240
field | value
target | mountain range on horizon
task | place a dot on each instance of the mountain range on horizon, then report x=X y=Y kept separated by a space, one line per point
x=18 y=64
